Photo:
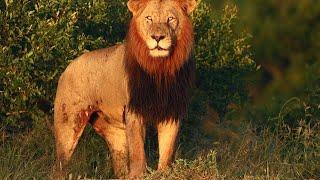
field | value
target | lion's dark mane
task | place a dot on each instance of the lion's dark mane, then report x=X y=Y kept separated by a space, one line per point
x=159 y=88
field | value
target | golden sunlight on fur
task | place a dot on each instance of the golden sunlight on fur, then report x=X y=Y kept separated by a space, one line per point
x=121 y=89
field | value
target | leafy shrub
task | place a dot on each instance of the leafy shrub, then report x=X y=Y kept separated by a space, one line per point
x=39 y=38
x=223 y=57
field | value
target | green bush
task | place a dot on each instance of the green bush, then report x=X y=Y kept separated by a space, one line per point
x=39 y=38
x=223 y=57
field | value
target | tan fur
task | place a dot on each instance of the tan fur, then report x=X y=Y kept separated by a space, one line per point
x=121 y=89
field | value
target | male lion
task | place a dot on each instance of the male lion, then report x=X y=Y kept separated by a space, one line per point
x=119 y=90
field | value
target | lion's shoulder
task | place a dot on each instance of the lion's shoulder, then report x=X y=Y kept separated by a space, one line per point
x=97 y=60
x=104 y=53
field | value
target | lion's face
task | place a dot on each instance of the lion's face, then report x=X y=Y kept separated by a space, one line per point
x=159 y=23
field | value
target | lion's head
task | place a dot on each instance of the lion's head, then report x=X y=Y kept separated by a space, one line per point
x=160 y=37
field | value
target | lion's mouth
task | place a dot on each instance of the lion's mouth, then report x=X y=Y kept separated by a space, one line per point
x=159 y=52
x=159 y=48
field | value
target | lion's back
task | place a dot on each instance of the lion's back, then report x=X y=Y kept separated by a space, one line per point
x=88 y=73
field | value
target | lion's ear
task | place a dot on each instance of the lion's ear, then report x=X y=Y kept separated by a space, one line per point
x=135 y=5
x=188 y=5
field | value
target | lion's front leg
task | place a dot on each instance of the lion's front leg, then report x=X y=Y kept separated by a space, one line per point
x=167 y=134
x=136 y=131
x=115 y=136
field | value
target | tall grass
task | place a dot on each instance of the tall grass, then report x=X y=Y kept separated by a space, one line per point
x=282 y=154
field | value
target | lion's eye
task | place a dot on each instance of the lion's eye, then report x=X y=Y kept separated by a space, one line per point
x=149 y=18
x=171 y=19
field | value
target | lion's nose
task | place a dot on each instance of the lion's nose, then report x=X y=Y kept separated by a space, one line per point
x=158 y=37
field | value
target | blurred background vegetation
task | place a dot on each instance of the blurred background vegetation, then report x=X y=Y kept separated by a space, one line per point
x=254 y=113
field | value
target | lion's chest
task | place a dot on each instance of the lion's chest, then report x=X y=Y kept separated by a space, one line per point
x=158 y=99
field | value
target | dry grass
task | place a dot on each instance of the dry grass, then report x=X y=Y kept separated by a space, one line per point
x=267 y=156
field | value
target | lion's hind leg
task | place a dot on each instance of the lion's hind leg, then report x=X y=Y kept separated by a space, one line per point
x=69 y=123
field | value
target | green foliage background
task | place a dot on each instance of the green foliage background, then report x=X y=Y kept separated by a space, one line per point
x=286 y=45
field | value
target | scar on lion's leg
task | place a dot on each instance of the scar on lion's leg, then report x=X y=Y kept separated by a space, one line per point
x=64 y=113
x=67 y=135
